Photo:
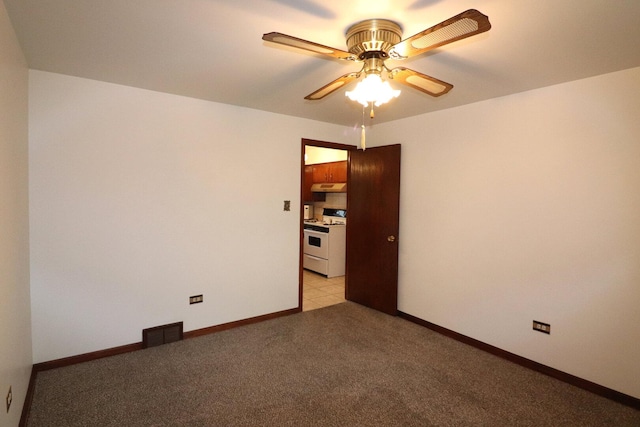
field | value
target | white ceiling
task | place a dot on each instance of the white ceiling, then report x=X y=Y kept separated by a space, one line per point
x=212 y=49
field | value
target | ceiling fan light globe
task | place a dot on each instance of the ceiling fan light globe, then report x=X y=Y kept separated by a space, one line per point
x=352 y=95
x=372 y=90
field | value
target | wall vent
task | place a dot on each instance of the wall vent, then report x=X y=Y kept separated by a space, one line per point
x=158 y=335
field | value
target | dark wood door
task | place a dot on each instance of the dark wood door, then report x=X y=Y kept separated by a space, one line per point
x=373 y=210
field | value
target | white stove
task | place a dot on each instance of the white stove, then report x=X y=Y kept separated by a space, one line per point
x=333 y=220
x=325 y=243
x=330 y=217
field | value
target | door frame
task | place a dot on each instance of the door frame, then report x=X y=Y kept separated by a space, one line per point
x=315 y=143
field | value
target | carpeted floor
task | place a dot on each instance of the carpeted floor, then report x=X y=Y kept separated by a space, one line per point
x=344 y=365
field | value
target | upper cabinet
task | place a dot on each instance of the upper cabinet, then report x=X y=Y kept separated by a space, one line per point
x=307 y=196
x=322 y=173
x=330 y=172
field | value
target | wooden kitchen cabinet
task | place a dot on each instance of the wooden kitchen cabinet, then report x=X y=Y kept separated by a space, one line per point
x=330 y=172
x=322 y=173
x=307 y=195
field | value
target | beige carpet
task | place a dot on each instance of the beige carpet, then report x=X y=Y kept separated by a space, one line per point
x=343 y=365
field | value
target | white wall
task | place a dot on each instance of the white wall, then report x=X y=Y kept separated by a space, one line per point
x=15 y=314
x=140 y=199
x=528 y=207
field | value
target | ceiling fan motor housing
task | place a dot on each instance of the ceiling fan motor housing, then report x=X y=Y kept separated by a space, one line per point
x=373 y=35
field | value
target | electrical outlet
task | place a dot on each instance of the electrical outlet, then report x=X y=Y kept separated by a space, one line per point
x=196 y=299
x=541 y=327
x=9 y=399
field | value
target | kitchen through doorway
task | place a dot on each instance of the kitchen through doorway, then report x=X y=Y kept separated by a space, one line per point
x=324 y=216
x=319 y=291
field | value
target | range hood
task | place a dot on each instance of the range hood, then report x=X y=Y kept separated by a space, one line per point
x=329 y=187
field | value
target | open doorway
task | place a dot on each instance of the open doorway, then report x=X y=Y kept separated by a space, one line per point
x=323 y=223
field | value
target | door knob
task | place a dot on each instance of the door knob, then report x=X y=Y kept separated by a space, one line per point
x=391 y=238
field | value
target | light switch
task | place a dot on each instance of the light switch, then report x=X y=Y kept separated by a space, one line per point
x=287 y=205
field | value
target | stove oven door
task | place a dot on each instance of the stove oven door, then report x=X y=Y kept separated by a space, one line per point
x=316 y=250
x=316 y=243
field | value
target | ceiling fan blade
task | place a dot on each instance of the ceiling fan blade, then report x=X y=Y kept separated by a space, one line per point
x=466 y=24
x=422 y=82
x=307 y=45
x=333 y=86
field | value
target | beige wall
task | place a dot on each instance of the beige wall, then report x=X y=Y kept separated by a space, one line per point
x=15 y=321
x=528 y=207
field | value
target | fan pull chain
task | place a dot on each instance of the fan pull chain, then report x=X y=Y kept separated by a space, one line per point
x=363 y=143
x=372 y=114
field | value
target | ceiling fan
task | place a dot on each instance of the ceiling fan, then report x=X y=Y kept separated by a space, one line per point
x=373 y=41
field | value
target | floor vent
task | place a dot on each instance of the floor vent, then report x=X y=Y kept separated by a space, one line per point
x=158 y=335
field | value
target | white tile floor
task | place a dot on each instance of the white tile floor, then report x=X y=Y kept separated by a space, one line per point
x=318 y=291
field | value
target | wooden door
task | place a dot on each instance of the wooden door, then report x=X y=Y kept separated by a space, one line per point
x=373 y=211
